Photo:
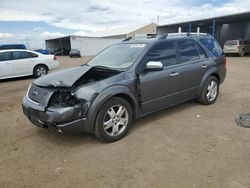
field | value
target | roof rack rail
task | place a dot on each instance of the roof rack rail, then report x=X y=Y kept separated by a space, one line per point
x=166 y=35
x=127 y=39
x=138 y=38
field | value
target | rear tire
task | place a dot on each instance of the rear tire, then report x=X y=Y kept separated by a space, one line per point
x=210 y=91
x=113 y=120
x=40 y=70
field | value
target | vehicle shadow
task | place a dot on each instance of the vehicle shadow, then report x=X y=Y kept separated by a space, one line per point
x=151 y=118
x=73 y=139
x=17 y=79
x=67 y=138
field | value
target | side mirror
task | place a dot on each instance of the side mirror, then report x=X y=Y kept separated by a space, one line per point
x=154 y=66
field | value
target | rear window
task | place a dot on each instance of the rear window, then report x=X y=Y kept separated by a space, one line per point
x=212 y=45
x=231 y=42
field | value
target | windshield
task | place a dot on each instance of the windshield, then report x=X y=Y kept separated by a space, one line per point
x=119 y=56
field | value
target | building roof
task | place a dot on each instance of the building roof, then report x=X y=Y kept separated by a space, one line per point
x=228 y=18
x=117 y=31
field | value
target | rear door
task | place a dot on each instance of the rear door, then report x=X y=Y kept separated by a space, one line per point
x=23 y=62
x=158 y=89
x=193 y=64
x=6 y=66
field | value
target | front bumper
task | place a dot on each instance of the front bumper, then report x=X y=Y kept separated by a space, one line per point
x=62 y=119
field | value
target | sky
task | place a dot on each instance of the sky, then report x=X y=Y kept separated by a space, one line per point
x=31 y=22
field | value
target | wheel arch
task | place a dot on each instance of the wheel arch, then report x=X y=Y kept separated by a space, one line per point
x=216 y=75
x=113 y=91
x=209 y=73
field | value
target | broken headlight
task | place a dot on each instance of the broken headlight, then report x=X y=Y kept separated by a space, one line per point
x=64 y=98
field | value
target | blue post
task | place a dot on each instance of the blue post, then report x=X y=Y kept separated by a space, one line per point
x=190 y=27
x=213 y=27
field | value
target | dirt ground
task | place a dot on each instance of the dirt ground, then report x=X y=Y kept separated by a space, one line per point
x=189 y=145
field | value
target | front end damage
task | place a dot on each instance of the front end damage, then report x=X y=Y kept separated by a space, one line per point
x=62 y=107
x=54 y=108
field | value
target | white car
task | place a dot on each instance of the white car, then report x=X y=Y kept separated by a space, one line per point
x=17 y=63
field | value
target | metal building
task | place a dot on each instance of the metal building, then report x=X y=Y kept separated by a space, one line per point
x=88 y=46
x=95 y=42
x=223 y=28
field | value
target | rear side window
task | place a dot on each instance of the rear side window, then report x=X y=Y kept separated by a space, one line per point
x=6 y=56
x=23 y=55
x=212 y=45
x=188 y=50
x=164 y=52
x=201 y=51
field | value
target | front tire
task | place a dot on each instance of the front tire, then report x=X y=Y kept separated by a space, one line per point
x=40 y=70
x=113 y=120
x=210 y=91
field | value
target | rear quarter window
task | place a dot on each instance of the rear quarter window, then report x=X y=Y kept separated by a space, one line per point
x=212 y=46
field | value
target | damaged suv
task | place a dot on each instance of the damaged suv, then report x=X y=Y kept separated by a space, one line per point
x=125 y=82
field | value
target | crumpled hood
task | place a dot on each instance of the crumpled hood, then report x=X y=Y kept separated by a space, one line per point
x=64 y=78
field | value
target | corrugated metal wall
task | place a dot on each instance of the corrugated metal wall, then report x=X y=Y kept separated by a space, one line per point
x=224 y=32
x=234 y=31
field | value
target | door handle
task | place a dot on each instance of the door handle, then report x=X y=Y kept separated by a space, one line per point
x=174 y=74
x=204 y=66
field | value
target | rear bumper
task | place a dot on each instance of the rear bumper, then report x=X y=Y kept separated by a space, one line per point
x=54 y=65
x=57 y=119
x=231 y=51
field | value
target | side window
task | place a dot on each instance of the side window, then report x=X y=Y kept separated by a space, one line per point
x=18 y=55
x=212 y=45
x=32 y=55
x=6 y=56
x=23 y=55
x=164 y=52
x=188 y=50
x=201 y=51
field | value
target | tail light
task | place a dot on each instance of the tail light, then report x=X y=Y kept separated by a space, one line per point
x=55 y=58
x=238 y=46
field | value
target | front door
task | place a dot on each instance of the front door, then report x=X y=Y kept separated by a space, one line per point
x=158 y=88
x=6 y=67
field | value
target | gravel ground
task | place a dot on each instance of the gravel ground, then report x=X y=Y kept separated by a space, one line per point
x=189 y=145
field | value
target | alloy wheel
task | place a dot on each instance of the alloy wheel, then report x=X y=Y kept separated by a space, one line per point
x=212 y=91
x=115 y=120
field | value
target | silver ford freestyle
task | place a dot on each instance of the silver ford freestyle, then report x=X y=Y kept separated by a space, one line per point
x=126 y=81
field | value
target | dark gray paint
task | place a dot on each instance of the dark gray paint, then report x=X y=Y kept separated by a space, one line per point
x=146 y=91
